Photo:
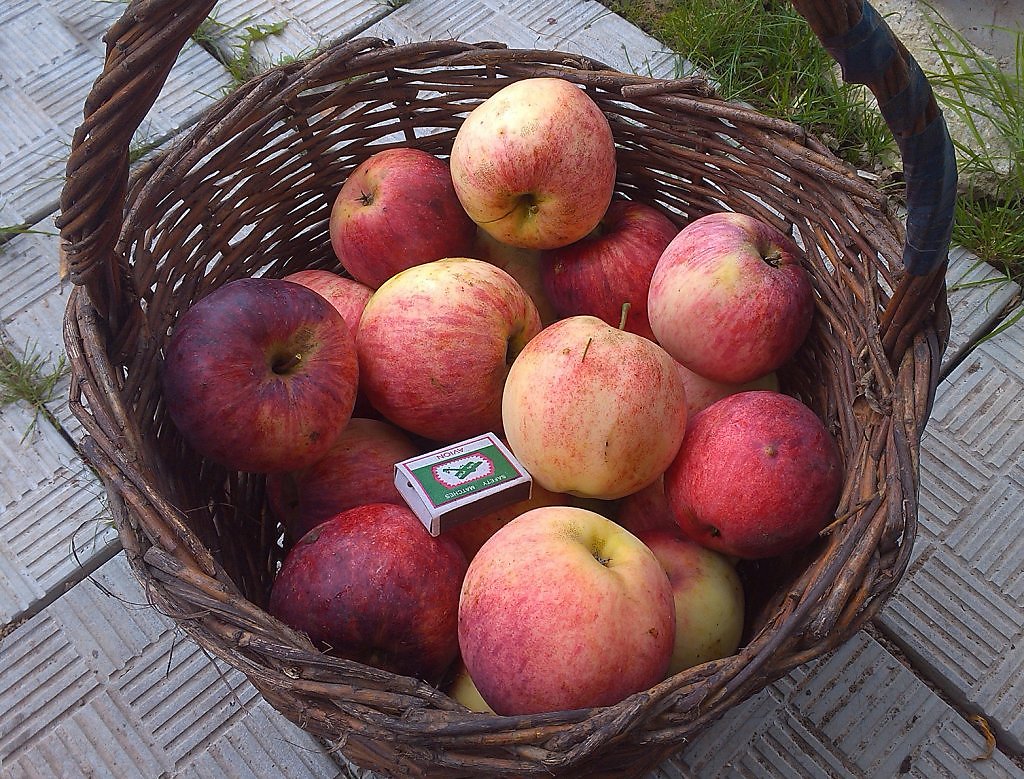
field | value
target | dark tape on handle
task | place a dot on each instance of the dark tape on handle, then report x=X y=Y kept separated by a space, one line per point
x=864 y=53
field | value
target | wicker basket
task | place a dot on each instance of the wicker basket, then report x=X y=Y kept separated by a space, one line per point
x=249 y=189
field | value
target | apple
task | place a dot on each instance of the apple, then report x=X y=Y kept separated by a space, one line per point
x=534 y=164
x=593 y=411
x=647 y=510
x=260 y=375
x=701 y=392
x=397 y=209
x=463 y=689
x=610 y=266
x=435 y=344
x=729 y=298
x=359 y=468
x=563 y=609
x=521 y=264
x=348 y=296
x=372 y=585
x=708 y=599
x=757 y=475
x=471 y=534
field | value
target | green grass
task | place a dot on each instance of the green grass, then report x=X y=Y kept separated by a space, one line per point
x=765 y=54
x=238 y=59
x=30 y=378
x=976 y=91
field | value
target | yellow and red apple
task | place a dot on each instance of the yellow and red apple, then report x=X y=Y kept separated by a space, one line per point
x=592 y=410
x=564 y=609
x=534 y=164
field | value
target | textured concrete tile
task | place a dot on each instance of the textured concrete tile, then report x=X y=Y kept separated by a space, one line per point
x=586 y=28
x=308 y=24
x=38 y=328
x=50 y=55
x=977 y=294
x=958 y=611
x=99 y=684
x=33 y=302
x=34 y=455
x=53 y=516
x=28 y=268
x=857 y=712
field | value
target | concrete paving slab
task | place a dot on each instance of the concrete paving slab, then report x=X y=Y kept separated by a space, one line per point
x=854 y=713
x=100 y=684
x=54 y=525
x=50 y=55
x=977 y=295
x=308 y=24
x=586 y=28
x=958 y=612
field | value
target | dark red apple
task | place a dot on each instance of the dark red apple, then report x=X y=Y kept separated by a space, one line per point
x=610 y=266
x=359 y=468
x=261 y=375
x=398 y=209
x=757 y=475
x=372 y=585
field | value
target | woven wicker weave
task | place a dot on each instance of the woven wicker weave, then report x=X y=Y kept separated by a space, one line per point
x=249 y=190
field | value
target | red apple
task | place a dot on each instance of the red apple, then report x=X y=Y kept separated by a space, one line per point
x=435 y=343
x=610 y=266
x=348 y=296
x=701 y=392
x=729 y=298
x=647 y=510
x=534 y=164
x=261 y=375
x=395 y=210
x=372 y=585
x=521 y=264
x=563 y=609
x=471 y=534
x=359 y=468
x=758 y=475
x=708 y=599
x=592 y=410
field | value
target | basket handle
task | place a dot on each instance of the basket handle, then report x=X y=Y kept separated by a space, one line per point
x=143 y=45
x=141 y=48
x=869 y=53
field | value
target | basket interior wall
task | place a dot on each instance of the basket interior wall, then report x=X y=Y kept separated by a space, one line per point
x=249 y=191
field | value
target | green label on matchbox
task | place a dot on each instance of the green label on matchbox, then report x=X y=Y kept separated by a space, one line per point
x=464 y=474
x=461 y=481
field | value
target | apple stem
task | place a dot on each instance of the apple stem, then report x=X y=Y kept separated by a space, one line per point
x=586 y=349
x=773 y=258
x=625 y=313
x=287 y=363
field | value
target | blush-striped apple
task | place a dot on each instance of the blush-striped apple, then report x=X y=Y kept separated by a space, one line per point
x=730 y=299
x=435 y=344
x=563 y=609
x=534 y=164
x=592 y=410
